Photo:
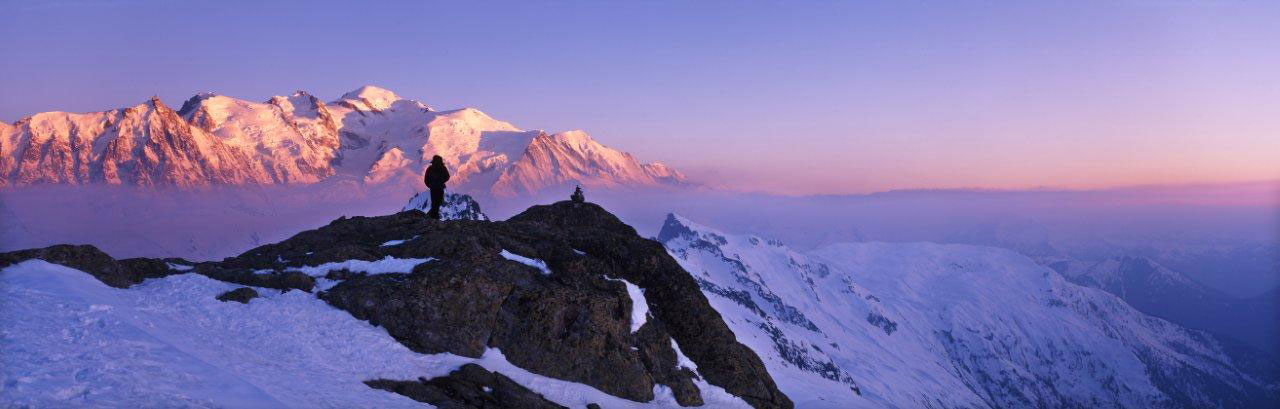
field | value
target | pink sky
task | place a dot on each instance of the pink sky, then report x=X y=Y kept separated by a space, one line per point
x=837 y=97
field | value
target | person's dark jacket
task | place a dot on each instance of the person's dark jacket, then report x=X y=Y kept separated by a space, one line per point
x=436 y=175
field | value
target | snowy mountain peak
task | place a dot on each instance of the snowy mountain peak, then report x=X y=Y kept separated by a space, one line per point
x=677 y=226
x=372 y=98
x=370 y=135
x=191 y=104
x=567 y=158
x=577 y=137
x=456 y=206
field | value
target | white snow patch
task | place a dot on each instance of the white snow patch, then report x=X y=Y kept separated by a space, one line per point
x=639 y=306
x=531 y=262
x=577 y=395
x=683 y=361
x=324 y=284
x=397 y=242
x=386 y=265
x=579 y=252
x=71 y=341
x=179 y=267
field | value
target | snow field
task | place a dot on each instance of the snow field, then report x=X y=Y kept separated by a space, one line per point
x=67 y=340
x=70 y=341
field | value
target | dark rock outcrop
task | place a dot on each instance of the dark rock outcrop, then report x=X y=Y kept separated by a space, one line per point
x=127 y=272
x=673 y=295
x=279 y=280
x=471 y=386
x=241 y=295
x=660 y=360
x=119 y=274
x=572 y=324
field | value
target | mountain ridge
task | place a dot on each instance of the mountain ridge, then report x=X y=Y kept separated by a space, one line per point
x=370 y=133
x=564 y=291
x=881 y=324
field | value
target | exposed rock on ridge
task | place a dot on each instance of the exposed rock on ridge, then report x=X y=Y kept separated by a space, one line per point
x=572 y=322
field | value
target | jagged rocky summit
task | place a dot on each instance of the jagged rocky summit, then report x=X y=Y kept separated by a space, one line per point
x=564 y=291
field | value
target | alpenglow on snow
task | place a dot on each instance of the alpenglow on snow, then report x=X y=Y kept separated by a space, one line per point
x=370 y=134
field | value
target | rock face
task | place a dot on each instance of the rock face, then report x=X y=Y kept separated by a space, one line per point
x=127 y=272
x=571 y=324
x=471 y=386
x=241 y=295
x=119 y=274
x=564 y=290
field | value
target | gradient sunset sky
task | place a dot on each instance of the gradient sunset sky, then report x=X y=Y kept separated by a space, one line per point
x=795 y=97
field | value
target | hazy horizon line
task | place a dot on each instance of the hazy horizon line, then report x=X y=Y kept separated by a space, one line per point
x=1274 y=183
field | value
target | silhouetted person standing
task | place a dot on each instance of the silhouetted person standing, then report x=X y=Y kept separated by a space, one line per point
x=436 y=175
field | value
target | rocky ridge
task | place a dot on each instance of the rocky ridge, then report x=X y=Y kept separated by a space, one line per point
x=475 y=287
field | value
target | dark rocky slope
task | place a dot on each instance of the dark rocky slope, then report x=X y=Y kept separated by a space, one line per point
x=471 y=386
x=571 y=324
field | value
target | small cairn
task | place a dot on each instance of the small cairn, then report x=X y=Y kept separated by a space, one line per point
x=577 y=196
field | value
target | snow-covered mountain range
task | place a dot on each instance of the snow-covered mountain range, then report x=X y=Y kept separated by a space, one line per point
x=1162 y=292
x=951 y=325
x=370 y=135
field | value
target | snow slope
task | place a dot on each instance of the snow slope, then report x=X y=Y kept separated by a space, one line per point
x=930 y=325
x=67 y=340
x=70 y=340
x=1159 y=291
x=370 y=134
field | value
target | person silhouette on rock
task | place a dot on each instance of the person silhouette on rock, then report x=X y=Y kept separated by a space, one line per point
x=435 y=177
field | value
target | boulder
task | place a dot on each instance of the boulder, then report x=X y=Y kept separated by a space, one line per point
x=241 y=295
x=119 y=274
x=471 y=386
